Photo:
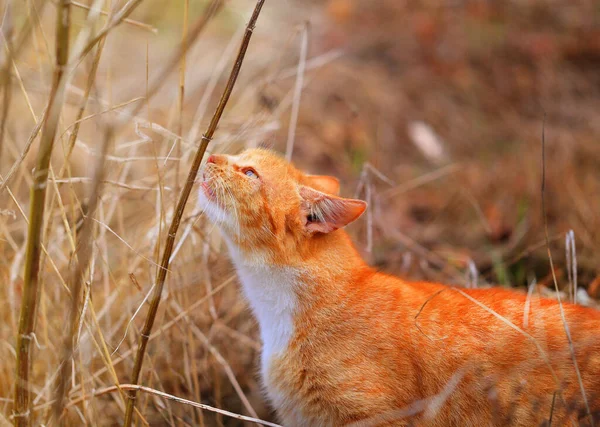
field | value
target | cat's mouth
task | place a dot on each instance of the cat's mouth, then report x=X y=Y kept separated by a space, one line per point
x=209 y=192
x=208 y=184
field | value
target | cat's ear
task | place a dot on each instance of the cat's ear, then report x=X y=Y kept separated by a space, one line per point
x=325 y=183
x=325 y=213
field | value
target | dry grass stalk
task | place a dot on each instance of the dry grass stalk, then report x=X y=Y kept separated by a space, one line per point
x=542 y=352
x=88 y=88
x=83 y=253
x=164 y=395
x=25 y=32
x=209 y=12
x=428 y=406
x=553 y=271
x=119 y=17
x=218 y=70
x=15 y=167
x=6 y=32
x=92 y=17
x=126 y=20
x=163 y=329
x=297 y=91
x=100 y=38
x=571 y=257
x=83 y=249
x=181 y=94
x=220 y=359
x=28 y=313
x=183 y=198
x=81 y=261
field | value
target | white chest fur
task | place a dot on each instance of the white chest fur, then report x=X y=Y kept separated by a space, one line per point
x=270 y=290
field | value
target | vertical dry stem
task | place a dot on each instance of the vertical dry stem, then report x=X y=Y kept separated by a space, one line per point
x=24 y=33
x=210 y=11
x=297 y=92
x=181 y=98
x=36 y=216
x=7 y=30
x=119 y=17
x=81 y=260
x=558 y=298
x=86 y=95
x=185 y=193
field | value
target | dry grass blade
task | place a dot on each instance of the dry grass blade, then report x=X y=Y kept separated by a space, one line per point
x=25 y=32
x=419 y=313
x=510 y=324
x=6 y=32
x=84 y=179
x=428 y=406
x=119 y=17
x=83 y=105
x=558 y=298
x=126 y=20
x=81 y=260
x=221 y=360
x=92 y=16
x=163 y=328
x=174 y=398
x=297 y=92
x=571 y=257
x=210 y=11
x=15 y=166
x=181 y=97
x=417 y=182
x=36 y=217
x=185 y=193
x=211 y=85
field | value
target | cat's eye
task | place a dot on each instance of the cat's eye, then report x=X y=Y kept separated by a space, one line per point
x=251 y=173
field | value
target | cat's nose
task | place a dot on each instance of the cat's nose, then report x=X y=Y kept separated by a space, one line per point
x=216 y=159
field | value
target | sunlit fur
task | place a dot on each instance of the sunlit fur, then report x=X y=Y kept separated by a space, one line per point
x=343 y=343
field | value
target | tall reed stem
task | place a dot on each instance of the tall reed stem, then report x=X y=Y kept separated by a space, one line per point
x=183 y=198
x=26 y=334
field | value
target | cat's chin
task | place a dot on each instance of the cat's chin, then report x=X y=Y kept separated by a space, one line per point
x=215 y=213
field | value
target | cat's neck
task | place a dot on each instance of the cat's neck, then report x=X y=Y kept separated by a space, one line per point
x=275 y=291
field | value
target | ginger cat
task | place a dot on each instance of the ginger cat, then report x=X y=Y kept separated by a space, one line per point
x=345 y=344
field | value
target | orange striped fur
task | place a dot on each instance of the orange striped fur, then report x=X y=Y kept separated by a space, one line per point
x=345 y=344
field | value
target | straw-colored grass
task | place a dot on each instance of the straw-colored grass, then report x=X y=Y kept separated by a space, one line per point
x=85 y=214
x=180 y=208
x=31 y=284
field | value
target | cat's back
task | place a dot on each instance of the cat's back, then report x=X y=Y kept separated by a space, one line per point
x=498 y=354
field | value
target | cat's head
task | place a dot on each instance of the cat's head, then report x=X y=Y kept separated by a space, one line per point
x=262 y=203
